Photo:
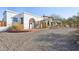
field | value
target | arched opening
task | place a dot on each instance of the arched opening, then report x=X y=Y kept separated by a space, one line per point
x=31 y=23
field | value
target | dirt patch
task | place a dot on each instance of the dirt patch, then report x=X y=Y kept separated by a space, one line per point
x=43 y=40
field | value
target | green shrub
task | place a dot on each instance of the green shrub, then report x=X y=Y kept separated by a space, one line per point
x=16 y=27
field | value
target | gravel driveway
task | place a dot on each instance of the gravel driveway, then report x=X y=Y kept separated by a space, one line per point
x=43 y=40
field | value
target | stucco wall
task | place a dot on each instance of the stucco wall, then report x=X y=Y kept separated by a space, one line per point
x=8 y=17
x=27 y=18
x=3 y=28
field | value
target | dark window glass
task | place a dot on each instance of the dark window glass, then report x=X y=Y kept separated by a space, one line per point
x=15 y=20
x=21 y=20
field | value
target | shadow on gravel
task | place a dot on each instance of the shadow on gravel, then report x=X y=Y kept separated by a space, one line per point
x=57 y=42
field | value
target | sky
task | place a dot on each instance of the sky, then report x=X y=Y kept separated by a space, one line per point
x=64 y=12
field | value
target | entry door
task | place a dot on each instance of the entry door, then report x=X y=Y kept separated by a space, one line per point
x=31 y=25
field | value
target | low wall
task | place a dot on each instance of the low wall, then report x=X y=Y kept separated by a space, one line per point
x=3 y=28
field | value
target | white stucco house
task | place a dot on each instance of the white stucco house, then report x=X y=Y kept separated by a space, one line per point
x=27 y=19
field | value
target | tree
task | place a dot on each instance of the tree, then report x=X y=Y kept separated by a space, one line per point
x=56 y=17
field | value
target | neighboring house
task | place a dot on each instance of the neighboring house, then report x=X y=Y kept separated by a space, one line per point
x=26 y=19
x=50 y=22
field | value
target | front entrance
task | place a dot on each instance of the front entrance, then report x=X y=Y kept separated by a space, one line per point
x=31 y=23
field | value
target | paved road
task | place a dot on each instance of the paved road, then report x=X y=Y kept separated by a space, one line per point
x=43 y=40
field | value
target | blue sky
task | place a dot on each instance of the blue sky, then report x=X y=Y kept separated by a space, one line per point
x=64 y=12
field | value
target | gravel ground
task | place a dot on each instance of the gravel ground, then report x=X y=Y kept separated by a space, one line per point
x=43 y=40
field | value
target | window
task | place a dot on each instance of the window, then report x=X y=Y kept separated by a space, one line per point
x=15 y=19
x=22 y=20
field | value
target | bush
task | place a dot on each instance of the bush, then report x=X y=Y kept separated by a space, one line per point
x=16 y=27
x=44 y=25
